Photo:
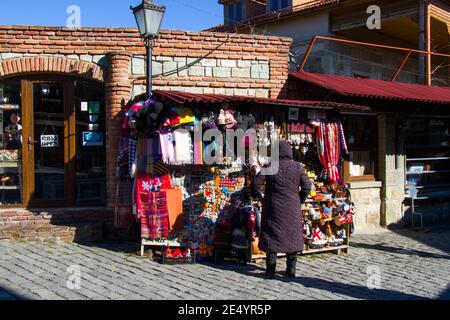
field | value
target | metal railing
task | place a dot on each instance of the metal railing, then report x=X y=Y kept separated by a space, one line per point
x=408 y=52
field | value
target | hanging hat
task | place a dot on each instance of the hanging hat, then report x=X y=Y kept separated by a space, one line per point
x=172 y=120
x=155 y=110
x=230 y=121
x=244 y=122
x=186 y=116
x=209 y=120
x=221 y=120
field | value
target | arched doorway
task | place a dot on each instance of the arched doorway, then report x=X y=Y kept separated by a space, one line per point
x=52 y=142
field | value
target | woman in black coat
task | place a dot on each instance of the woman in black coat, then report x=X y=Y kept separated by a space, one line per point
x=281 y=224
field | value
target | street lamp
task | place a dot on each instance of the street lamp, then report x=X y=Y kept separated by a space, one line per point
x=149 y=17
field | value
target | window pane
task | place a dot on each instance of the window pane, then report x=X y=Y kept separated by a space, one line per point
x=231 y=13
x=361 y=131
x=91 y=146
x=361 y=163
x=275 y=5
x=10 y=143
x=48 y=106
x=284 y=3
x=239 y=11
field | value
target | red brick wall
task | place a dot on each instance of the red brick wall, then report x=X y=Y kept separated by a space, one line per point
x=54 y=49
x=174 y=43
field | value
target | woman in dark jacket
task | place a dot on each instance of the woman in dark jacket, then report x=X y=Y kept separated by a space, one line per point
x=281 y=224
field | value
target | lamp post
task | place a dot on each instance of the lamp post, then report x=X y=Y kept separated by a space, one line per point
x=149 y=17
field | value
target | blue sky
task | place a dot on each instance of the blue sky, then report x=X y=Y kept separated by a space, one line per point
x=194 y=15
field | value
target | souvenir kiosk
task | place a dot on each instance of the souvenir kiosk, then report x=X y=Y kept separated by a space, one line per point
x=190 y=206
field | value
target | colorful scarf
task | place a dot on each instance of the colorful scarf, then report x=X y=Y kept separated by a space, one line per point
x=132 y=154
x=122 y=159
x=155 y=221
x=167 y=147
x=123 y=214
x=329 y=145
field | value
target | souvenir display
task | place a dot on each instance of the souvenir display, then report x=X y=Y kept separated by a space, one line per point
x=319 y=143
x=197 y=210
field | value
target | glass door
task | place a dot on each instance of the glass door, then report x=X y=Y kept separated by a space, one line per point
x=49 y=122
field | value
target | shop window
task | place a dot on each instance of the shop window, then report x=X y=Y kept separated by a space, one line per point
x=361 y=133
x=427 y=146
x=91 y=147
x=10 y=143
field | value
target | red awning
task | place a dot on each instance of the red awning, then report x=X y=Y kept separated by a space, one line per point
x=186 y=97
x=368 y=88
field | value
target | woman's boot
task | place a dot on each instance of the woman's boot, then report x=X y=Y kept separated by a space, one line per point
x=291 y=265
x=271 y=265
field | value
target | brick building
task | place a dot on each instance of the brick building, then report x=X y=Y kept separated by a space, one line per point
x=58 y=79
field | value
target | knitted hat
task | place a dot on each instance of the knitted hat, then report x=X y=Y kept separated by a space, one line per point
x=221 y=118
x=186 y=116
x=244 y=122
x=155 y=110
x=230 y=121
x=209 y=120
x=172 y=120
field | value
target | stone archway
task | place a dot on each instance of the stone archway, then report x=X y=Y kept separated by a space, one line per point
x=44 y=64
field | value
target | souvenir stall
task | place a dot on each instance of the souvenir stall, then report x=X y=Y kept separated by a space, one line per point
x=195 y=209
x=318 y=141
x=177 y=199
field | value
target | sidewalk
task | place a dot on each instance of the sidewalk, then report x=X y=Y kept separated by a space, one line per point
x=408 y=265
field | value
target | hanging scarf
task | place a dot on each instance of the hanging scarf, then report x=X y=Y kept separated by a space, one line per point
x=123 y=209
x=132 y=157
x=329 y=150
x=342 y=138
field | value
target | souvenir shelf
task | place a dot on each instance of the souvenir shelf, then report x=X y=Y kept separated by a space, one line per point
x=425 y=174
x=9 y=164
x=11 y=178
x=327 y=248
x=339 y=221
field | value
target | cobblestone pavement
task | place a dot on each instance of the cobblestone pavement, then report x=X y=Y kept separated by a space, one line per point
x=411 y=265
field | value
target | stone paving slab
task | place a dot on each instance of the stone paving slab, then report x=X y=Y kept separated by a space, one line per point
x=391 y=265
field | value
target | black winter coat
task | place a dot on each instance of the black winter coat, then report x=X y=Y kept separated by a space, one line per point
x=281 y=225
